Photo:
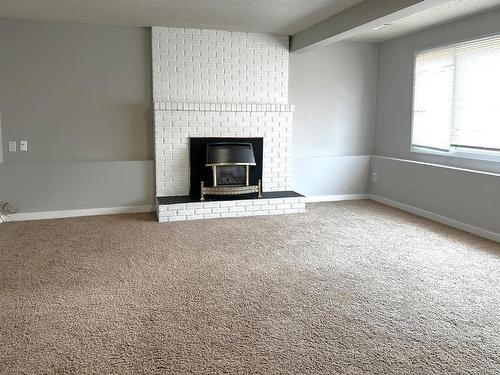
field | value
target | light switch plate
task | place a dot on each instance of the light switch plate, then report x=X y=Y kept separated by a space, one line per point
x=12 y=146
x=23 y=145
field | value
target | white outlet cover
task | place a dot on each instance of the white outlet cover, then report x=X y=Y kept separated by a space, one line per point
x=12 y=146
x=23 y=145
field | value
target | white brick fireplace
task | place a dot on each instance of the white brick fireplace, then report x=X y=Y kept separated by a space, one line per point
x=220 y=84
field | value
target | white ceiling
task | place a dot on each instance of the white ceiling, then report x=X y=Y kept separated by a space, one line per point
x=273 y=16
x=439 y=14
x=286 y=17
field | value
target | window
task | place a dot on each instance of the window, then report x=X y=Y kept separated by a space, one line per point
x=456 y=100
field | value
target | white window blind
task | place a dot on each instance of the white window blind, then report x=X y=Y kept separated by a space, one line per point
x=456 y=101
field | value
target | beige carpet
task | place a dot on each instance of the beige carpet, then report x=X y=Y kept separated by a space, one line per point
x=346 y=288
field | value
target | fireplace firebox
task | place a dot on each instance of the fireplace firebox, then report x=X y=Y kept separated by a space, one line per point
x=226 y=167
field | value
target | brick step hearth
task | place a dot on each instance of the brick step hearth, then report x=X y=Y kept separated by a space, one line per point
x=188 y=208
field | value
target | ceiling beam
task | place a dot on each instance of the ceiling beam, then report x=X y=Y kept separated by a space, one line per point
x=360 y=17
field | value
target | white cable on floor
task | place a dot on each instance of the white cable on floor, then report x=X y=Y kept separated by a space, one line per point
x=5 y=209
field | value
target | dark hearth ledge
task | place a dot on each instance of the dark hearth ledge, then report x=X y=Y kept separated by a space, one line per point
x=190 y=199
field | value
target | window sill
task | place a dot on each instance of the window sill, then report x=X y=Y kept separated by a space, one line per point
x=490 y=156
x=437 y=165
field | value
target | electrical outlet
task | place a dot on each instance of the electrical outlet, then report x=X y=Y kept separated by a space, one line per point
x=23 y=145
x=374 y=177
x=12 y=146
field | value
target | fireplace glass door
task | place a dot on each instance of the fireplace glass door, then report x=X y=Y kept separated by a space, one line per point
x=231 y=175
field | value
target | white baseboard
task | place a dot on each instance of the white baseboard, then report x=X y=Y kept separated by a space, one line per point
x=311 y=199
x=75 y=213
x=440 y=219
x=335 y=198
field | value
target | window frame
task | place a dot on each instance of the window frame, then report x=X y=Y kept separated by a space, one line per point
x=454 y=152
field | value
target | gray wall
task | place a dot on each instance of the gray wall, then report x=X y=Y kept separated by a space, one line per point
x=36 y=187
x=333 y=89
x=464 y=196
x=468 y=197
x=81 y=96
x=75 y=92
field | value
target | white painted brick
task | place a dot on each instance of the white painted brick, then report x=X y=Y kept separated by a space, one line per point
x=210 y=204
x=194 y=205
x=167 y=213
x=227 y=204
x=253 y=208
x=244 y=203
x=185 y=212
x=277 y=201
x=284 y=206
x=211 y=216
x=217 y=210
x=194 y=217
x=175 y=207
x=177 y=218
x=260 y=202
x=236 y=209
x=202 y=211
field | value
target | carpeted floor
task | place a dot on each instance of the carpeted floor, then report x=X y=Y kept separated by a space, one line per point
x=348 y=288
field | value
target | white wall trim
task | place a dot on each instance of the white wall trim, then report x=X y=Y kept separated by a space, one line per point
x=335 y=198
x=440 y=219
x=76 y=213
x=438 y=165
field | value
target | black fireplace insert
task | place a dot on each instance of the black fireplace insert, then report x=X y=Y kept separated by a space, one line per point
x=225 y=167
